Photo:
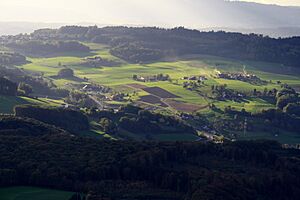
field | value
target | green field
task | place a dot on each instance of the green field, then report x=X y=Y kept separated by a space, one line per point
x=7 y=103
x=195 y=65
x=117 y=77
x=283 y=137
x=32 y=193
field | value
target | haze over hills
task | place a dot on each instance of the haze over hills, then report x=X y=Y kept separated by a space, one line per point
x=17 y=27
x=273 y=20
x=235 y=14
x=13 y=28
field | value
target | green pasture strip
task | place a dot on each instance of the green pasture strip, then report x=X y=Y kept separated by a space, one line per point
x=33 y=193
x=283 y=137
x=7 y=103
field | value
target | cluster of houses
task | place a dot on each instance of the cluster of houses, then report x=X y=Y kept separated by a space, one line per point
x=245 y=77
x=291 y=146
x=96 y=95
x=153 y=78
x=191 y=85
x=97 y=89
x=230 y=95
x=117 y=97
x=193 y=82
x=195 y=78
x=222 y=93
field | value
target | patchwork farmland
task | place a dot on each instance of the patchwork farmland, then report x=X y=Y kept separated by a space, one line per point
x=159 y=92
x=163 y=98
x=184 y=107
x=151 y=99
x=190 y=88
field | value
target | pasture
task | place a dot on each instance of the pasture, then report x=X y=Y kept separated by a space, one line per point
x=166 y=96
x=283 y=137
x=195 y=65
x=7 y=103
x=32 y=193
x=120 y=76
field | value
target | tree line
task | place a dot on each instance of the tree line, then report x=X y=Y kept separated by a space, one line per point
x=45 y=48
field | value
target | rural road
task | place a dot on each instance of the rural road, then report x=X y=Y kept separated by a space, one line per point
x=100 y=104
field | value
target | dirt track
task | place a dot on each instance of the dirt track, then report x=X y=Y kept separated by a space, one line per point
x=184 y=107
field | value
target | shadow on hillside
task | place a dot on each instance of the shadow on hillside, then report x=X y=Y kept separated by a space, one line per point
x=74 y=78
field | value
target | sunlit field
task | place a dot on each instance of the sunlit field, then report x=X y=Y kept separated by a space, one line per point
x=120 y=76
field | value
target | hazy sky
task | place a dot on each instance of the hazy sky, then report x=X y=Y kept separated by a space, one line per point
x=280 y=2
x=105 y=11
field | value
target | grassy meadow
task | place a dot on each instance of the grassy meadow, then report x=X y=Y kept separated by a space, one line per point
x=120 y=76
x=282 y=137
x=8 y=103
x=32 y=193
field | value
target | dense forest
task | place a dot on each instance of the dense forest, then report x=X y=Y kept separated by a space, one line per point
x=145 y=170
x=42 y=48
x=150 y=43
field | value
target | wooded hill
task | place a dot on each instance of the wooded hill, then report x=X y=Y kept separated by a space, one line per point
x=150 y=43
x=11 y=125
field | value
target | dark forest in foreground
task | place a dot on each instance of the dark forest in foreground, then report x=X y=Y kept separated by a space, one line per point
x=53 y=158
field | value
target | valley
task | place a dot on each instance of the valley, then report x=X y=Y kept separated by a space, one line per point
x=182 y=93
x=119 y=113
x=150 y=100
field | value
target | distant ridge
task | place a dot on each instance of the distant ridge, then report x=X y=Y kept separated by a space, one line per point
x=283 y=32
x=246 y=17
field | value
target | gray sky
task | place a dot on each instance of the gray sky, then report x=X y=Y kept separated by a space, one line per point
x=136 y=12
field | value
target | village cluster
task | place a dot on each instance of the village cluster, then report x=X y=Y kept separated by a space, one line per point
x=152 y=78
x=241 y=76
x=98 y=61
